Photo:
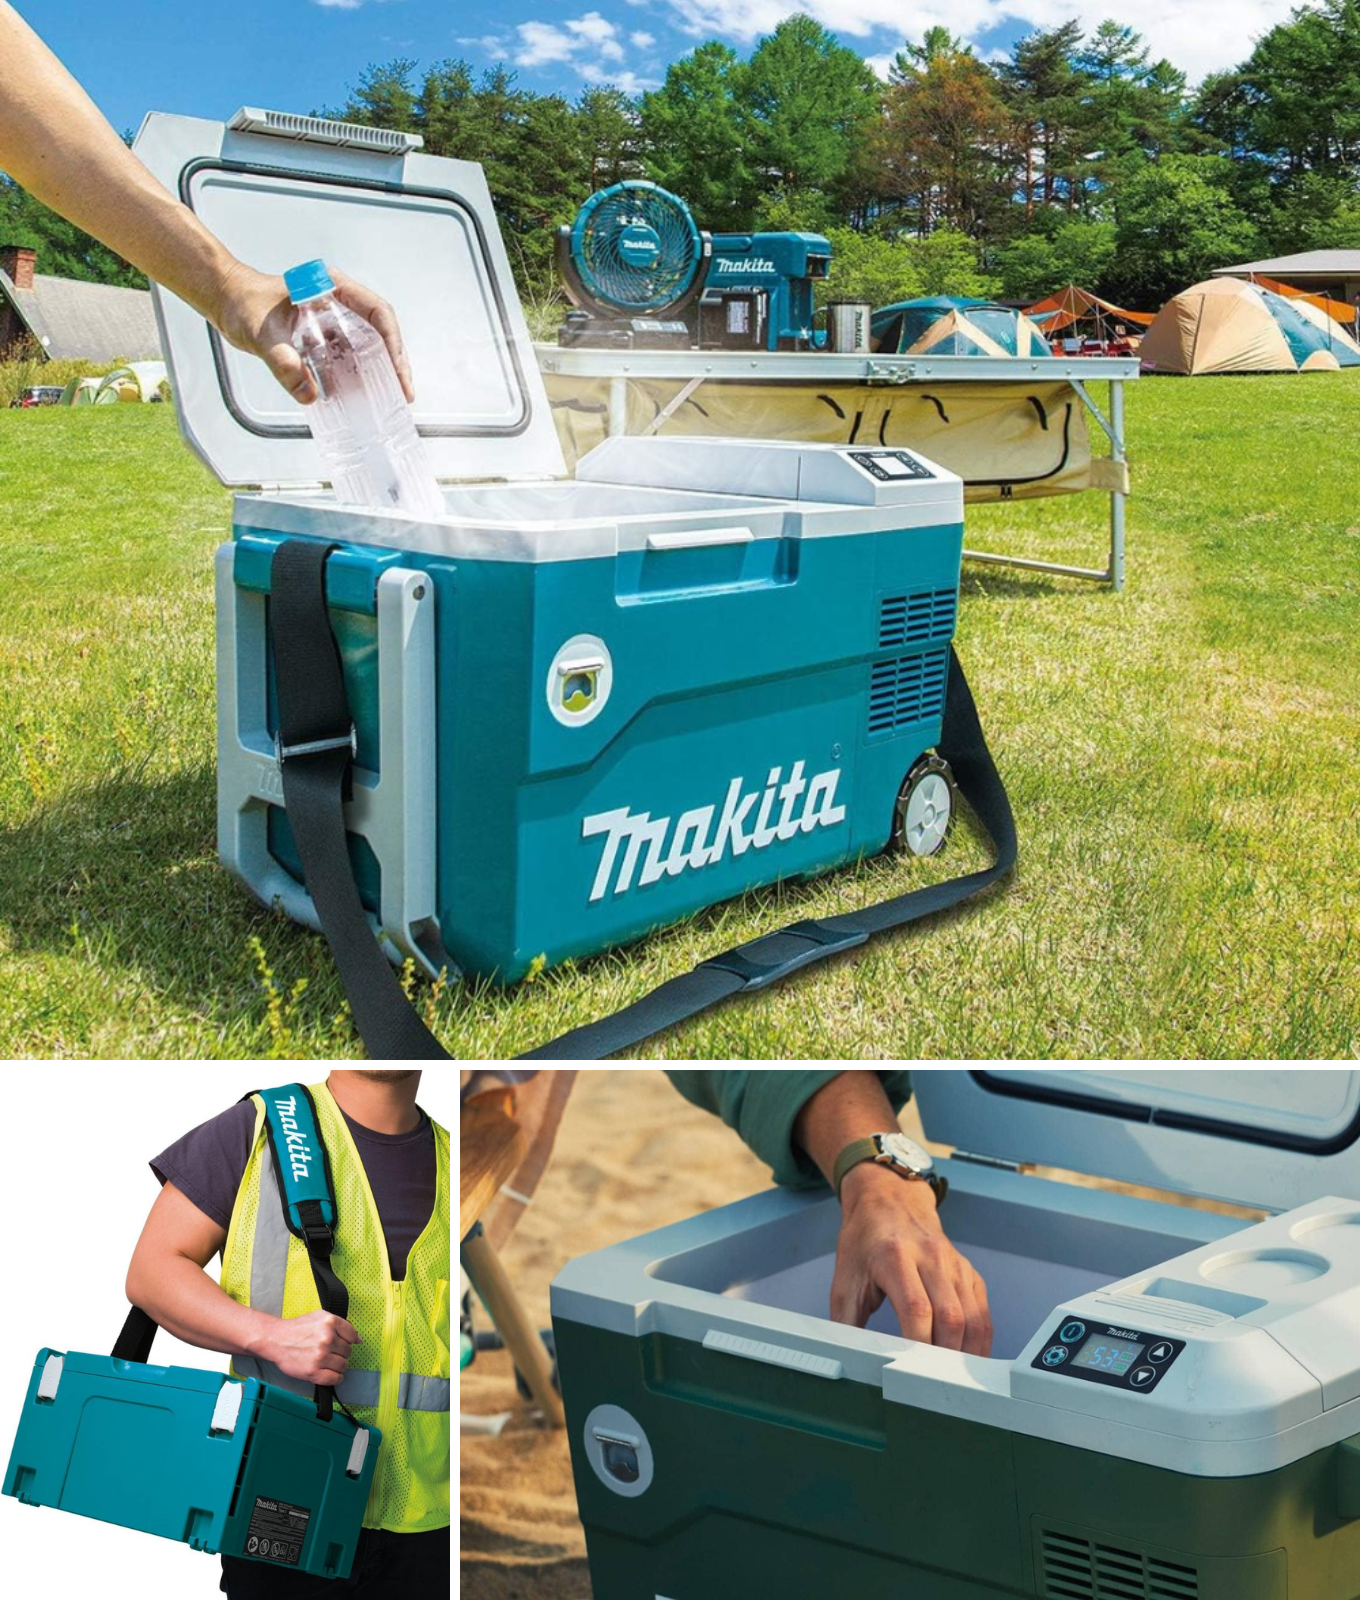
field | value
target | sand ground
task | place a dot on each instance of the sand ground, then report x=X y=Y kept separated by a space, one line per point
x=631 y=1155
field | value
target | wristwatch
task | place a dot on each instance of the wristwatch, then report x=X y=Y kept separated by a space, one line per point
x=895 y=1150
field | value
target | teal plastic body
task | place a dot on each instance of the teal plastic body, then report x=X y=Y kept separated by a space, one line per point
x=134 y=1445
x=736 y=670
x=769 y=1481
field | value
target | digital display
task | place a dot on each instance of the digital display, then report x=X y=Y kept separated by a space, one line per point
x=1101 y=1353
x=888 y=464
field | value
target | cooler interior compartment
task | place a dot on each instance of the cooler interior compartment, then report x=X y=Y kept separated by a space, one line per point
x=1035 y=1243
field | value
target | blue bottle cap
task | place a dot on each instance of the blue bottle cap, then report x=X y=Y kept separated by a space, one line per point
x=308 y=281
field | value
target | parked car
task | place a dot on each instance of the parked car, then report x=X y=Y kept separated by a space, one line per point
x=38 y=394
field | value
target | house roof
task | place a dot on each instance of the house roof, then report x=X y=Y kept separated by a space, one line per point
x=86 y=321
x=1318 y=263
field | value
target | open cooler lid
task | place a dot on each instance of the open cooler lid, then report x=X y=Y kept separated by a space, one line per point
x=1273 y=1139
x=420 y=230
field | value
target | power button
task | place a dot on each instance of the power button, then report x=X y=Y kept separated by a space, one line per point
x=1071 y=1332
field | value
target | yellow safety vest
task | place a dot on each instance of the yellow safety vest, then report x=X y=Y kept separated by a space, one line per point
x=399 y=1377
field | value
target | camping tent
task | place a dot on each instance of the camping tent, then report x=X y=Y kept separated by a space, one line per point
x=941 y=326
x=1226 y=325
x=1072 y=304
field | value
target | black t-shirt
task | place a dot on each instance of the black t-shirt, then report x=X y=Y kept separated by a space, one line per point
x=208 y=1164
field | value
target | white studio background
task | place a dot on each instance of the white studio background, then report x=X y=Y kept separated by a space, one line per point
x=77 y=1188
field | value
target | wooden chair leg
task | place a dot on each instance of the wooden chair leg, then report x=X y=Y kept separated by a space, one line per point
x=492 y=1283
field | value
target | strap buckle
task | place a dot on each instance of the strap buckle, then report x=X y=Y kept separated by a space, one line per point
x=319 y=1236
x=315 y=747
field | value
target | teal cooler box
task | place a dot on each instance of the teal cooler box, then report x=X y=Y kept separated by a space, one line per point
x=584 y=708
x=244 y=1469
x=1171 y=1408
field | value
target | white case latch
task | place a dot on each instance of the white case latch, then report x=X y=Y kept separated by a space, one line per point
x=47 y=1384
x=228 y=1408
x=357 y=1451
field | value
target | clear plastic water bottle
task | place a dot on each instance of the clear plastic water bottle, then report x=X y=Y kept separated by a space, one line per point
x=360 y=419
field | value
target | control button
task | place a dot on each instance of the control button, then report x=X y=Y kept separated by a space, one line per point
x=1055 y=1355
x=1162 y=1351
x=1072 y=1331
x=1140 y=1377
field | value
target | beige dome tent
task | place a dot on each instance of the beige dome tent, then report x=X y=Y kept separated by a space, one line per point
x=1227 y=325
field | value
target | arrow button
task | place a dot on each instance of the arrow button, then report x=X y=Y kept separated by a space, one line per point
x=1140 y=1377
x=1162 y=1351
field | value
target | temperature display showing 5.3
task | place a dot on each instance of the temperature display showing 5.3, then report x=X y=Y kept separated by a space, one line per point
x=1106 y=1354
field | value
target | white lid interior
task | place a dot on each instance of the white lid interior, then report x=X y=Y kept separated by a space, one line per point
x=1269 y=1138
x=420 y=230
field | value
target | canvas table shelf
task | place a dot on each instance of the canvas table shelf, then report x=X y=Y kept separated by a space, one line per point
x=1011 y=428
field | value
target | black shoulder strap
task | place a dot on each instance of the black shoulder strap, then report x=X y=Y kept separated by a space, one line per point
x=302 y=1168
x=316 y=750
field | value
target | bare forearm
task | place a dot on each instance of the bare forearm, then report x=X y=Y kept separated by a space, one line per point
x=55 y=144
x=185 y=1301
x=851 y=1106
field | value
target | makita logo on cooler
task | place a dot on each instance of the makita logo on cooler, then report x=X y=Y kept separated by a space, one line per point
x=742 y=264
x=299 y=1153
x=668 y=847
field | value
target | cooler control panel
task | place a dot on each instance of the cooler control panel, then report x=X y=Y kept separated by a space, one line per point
x=1100 y=1352
x=890 y=466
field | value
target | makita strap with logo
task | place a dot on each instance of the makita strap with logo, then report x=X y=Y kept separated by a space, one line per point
x=300 y=1157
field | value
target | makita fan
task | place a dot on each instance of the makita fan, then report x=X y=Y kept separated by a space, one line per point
x=632 y=261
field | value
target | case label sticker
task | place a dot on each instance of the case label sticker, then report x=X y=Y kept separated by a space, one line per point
x=277 y=1531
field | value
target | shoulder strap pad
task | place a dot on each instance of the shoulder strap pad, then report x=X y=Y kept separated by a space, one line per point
x=302 y=1164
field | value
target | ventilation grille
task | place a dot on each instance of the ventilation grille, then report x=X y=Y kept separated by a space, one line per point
x=1083 y=1569
x=906 y=690
x=320 y=130
x=914 y=618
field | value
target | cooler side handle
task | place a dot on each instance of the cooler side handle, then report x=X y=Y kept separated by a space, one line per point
x=393 y=809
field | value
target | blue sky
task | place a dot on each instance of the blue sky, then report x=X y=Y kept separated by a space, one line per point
x=299 y=55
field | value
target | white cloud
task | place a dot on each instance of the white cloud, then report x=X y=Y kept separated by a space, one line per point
x=642 y=41
x=590 y=36
x=594 y=27
x=542 y=42
x=628 y=81
x=1202 y=38
x=881 y=65
x=338 y=5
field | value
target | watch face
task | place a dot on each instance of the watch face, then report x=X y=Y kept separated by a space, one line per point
x=906 y=1152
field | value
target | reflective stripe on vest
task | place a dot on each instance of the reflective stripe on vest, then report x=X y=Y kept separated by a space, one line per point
x=414 y=1393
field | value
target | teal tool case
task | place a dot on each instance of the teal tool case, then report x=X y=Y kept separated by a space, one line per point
x=230 y=1466
x=244 y=1469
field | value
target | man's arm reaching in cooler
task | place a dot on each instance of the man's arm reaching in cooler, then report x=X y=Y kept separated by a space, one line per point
x=167 y=1280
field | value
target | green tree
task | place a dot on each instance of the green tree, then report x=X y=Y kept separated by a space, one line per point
x=1076 y=251
x=696 y=136
x=1134 y=109
x=1044 y=90
x=948 y=262
x=1176 y=221
x=1294 y=104
x=809 y=101
x=944 y=146
x=869 y=267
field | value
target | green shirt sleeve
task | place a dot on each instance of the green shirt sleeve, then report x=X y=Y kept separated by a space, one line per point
x=762 y=1106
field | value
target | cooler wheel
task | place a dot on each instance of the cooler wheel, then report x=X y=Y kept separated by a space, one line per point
x=925 y=806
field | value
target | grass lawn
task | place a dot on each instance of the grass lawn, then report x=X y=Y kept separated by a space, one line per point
x=1182 y=760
